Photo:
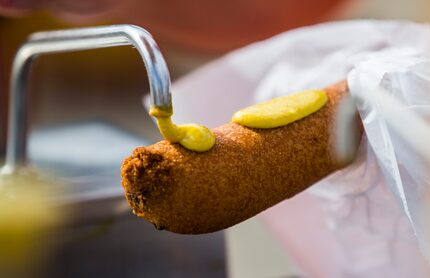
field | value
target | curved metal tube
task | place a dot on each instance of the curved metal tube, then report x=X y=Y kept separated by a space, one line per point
x=73 y=40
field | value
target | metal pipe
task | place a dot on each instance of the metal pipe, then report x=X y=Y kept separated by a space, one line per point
x=74 y=40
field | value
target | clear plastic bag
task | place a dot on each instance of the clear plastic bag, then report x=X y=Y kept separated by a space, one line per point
x=371 y=218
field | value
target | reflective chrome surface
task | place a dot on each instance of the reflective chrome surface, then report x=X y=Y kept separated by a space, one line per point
x=74 y=40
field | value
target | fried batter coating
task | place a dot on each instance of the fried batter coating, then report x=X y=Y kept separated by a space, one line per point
x=247 y=171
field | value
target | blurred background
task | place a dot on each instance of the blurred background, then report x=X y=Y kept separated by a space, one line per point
x=76 y=93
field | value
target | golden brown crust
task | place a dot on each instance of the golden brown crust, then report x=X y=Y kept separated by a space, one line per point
x=247 y=171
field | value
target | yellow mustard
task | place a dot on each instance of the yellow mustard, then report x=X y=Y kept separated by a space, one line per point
x=192 y=136
x=281 y=111
x=25 y=214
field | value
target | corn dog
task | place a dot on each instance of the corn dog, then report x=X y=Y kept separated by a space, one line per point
x=247 y=171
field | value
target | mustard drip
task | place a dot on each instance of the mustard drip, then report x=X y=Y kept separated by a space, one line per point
x=281 y=111
x=192 y=136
